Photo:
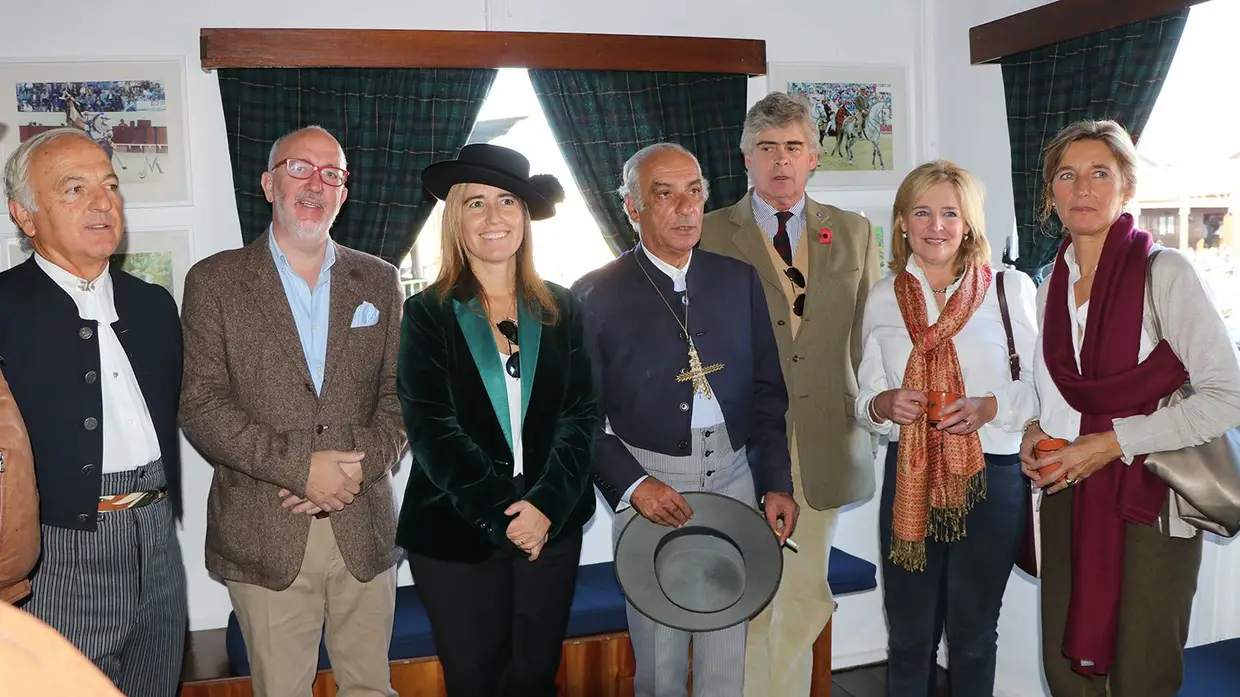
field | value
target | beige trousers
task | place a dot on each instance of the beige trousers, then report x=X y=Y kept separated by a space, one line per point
x=779 y=651
x=282 y=629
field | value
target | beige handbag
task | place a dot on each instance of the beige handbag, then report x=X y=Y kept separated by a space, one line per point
x=1206 y=477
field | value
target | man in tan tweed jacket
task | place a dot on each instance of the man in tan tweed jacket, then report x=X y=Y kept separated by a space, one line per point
x=290 y=393
x=817 y=264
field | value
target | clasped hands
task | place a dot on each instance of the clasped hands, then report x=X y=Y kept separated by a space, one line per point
x=961 y=417
x=335 y=479
x=662 y=504
x=529 y=529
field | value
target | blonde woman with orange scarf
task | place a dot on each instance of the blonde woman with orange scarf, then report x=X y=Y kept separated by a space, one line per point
x=951 y=515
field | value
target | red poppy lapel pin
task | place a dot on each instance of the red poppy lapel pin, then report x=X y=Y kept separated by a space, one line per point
x=824 y=236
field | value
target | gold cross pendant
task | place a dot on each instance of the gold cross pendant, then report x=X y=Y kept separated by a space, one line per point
x=697 y=372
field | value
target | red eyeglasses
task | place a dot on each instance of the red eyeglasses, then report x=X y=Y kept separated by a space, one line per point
x=300 y=169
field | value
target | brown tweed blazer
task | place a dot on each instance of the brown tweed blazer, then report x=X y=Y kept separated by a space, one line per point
x=248 y=405
x=820 y=364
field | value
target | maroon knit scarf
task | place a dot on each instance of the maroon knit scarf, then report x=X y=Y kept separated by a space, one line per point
x=1110 y=384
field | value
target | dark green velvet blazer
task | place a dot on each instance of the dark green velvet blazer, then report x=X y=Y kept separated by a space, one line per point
x=450 y=382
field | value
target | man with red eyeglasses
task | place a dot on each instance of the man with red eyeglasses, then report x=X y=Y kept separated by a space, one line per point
x=289 y=392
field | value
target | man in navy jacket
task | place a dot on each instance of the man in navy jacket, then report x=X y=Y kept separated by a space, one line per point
x=693 y=396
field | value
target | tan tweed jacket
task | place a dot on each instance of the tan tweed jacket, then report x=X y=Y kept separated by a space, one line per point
x=248 y=405
x=820 y=362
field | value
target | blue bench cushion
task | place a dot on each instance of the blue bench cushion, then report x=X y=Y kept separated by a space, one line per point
x=1211 y=670
x=598 y=608
x=849 y=574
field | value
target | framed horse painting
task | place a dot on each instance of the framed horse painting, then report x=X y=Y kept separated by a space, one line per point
x=862 y=117
x=134 y=109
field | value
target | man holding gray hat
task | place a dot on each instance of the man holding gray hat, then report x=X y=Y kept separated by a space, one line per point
x=689 y=383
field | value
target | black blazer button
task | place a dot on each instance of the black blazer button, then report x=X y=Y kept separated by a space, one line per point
x=684 y=406
x=319 y=428
x=87 y=469
x=91 y=377
x=781 y=323
x=83 y=517
x=683 y=444
x=795 y=359
x=86 y=332
x=91 y=423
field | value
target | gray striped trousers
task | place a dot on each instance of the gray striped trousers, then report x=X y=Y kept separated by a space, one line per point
x=118 y=594
x=661 y=653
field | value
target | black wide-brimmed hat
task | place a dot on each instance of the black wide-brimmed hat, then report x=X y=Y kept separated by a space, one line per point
x=717 y=570
x=503 y=168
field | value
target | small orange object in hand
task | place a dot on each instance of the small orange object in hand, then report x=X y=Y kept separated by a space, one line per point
x=1045 y=447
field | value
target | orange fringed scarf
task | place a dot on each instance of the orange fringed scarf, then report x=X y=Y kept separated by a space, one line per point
x=939 y=476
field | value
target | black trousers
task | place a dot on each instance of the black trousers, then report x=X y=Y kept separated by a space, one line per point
x=960 y=590
x=499 y=625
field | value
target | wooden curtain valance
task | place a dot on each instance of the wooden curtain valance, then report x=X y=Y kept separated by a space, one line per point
x=388 y=48
x=1060 y=21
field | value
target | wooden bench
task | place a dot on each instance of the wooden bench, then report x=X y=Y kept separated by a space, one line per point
x=597 y=661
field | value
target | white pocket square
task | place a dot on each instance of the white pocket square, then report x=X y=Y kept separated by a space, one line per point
x=366 y=315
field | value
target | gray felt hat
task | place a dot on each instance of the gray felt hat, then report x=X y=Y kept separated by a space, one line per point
x=718 y=570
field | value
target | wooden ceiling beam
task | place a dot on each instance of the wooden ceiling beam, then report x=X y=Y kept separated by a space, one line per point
x=389 y=48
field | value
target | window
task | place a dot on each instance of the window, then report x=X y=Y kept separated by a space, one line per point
x=566 y=246
x=1191 y=177
x=1162 y=224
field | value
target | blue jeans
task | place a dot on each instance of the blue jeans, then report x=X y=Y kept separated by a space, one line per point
x=961 y=588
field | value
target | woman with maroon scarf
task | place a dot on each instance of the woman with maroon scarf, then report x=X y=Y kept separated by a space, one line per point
x=950 y=513
x=1119 y=568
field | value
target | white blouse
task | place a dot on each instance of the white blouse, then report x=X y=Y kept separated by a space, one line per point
x=981 y=345
x=514 y=416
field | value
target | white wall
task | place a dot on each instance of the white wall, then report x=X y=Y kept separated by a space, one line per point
x=795 y=31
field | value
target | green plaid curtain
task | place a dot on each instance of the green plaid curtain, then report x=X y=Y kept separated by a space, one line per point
x=1113 y=74
x=392 y=123
x=600 y=118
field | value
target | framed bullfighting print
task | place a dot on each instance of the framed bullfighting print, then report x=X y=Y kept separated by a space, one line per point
x=135 y=110
x=862 y=118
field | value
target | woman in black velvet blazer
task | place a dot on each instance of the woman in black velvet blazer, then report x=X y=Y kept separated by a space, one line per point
x=495 y=384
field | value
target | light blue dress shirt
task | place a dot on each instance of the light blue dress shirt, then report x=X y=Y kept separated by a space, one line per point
x=764 y=214
x=310 y=307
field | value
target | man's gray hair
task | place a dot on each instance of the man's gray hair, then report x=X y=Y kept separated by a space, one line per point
x=275 y=147
x=630 y=186
x=17 y=173
x=777 y=110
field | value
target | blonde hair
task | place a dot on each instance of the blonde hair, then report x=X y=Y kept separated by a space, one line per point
x=1107 y=132
x=974 y=248
x=456 y=276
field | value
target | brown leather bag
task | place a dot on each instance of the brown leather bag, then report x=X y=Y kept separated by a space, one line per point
x=1026 y=554
x=19 y=501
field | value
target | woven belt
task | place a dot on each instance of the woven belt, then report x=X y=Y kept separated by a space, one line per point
x=137 y=499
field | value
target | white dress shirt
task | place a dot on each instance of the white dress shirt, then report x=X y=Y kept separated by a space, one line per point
x=514 y=416
x=129 y=439
x=706 y=410
x=981 y=346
